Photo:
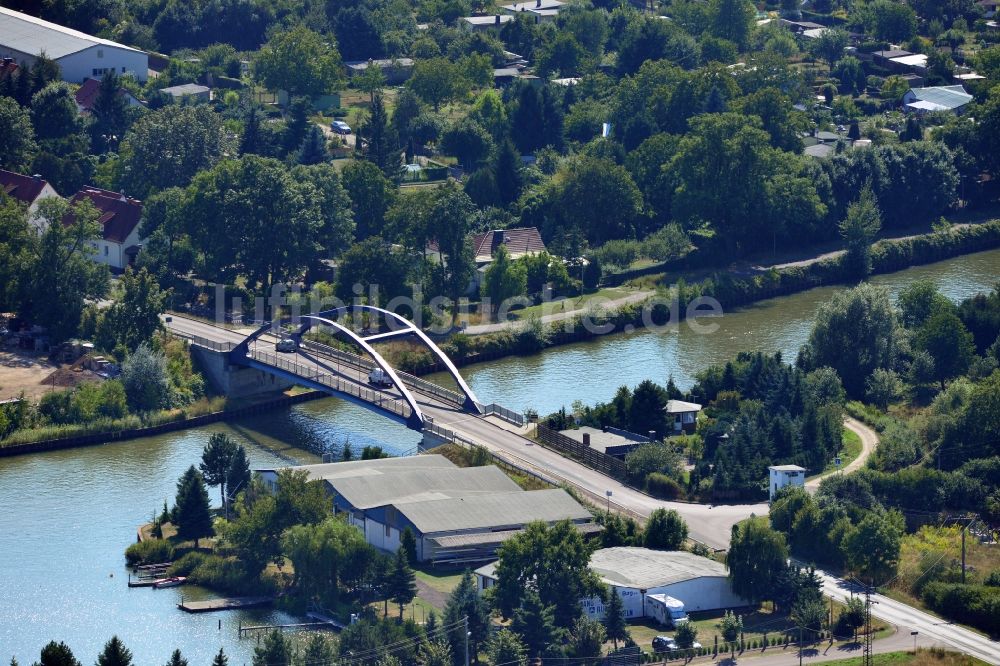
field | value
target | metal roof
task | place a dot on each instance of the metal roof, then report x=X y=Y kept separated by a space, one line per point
x=496 y=511
x=680 y=407
x=422 y=485
x=646 y=569
x=370 y=468
x=945 y=97
x=787 y=468
x=32 y=36
x=487 y=538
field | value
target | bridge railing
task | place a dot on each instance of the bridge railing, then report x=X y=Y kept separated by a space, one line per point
x=330 y=380
x=214 y=345
x=422 y=385
x=501 y=412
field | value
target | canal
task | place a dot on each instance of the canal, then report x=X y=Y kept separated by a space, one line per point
x=66 y=516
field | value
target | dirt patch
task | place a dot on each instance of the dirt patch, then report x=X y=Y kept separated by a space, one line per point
x=35 y=375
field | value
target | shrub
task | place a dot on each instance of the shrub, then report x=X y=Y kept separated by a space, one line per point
x=976 y=605
x=662 y=486
x=151 y=551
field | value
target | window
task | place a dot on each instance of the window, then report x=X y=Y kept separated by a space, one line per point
x=100 y=53
x=123 y=70
x=105 y=250
x=388 y=530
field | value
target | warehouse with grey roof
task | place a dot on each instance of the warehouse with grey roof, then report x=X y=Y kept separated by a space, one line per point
x=80 y=56
x=456 y=514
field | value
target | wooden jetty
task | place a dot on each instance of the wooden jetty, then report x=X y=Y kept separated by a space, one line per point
x=225 y=603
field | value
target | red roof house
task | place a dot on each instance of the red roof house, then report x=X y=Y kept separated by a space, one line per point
x=29 y=190
x=119 y=216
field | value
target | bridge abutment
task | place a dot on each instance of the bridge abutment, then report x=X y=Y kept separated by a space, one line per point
x=235 y=381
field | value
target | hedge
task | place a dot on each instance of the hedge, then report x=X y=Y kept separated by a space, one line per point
x=975 y=605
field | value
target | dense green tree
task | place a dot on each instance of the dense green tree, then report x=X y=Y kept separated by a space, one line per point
x=777 y=117
x=504 y=279
x=586 y=641
x=883 y=387
x=467 y=141
x=111 y=113
x=873 y=548
x=949 y=343
x=177 y=659
x=859 y=230
x=216 y=459
x=665 y=530
x=614 y=617
x=918 y=301
x=300 y=62
x=167 y=147
x=452 y=213
x=757 y=555
x=61 y=271
x=337 y=229
x=191 y=514
x=237 y=475
x=374 y=268
x=504 y=648
x=17 y=136
x=855 y=334
x=18 y=242
x=135 y=317
x=220 y=659
x=114 y=654
x=529 y=117
x=731 y=627
x=407 y=542
x=371 y=81
x=686 y=635
x=145 y=378
x=313 y=149
x=57 y=654
x=436 y=653
x=381 y=144
x=403 y=584
x=438 y=81
x=890 y=21
x=274 y=651
x=55 y=118
x=595 y=198
x=465 y=602
x=649 y=458
x=556 y=558
x=732 y=20
x=319 y=650
x=534 y=622
x=371 y=195
x=322 y=555
x=830 y=45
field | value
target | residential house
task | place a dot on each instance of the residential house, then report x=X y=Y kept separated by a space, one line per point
x=936 y=98
x=79 y=55
x=484 y=23
x=29 y=190
x=683 y=415
x=86 y=96
x=785 y=475
x=395 y=70
x=119 y=217
x=542 y=10
x=989 y=7
x=610 y=441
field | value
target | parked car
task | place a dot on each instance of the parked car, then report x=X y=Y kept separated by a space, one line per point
x=286 y=346
x=379 y=377
x=664 y=644
x=340 y=127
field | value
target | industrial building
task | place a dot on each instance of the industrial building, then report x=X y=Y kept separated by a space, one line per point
x=649 y=581
x=80 y=56
x=456 y=514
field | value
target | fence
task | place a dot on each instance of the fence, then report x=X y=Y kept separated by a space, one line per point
x=508 y=415
x=598 y=460
x=330 y=380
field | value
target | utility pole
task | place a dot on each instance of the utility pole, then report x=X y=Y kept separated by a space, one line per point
x=465 y=624
x=800 y=645
x=867 y=656
x=964 y=529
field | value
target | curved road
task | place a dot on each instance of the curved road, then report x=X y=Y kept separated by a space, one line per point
x=869 y=440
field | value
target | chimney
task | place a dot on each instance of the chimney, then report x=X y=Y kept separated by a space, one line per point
x=538 y=4
x=497 y=21
x=37 y=176
x=586 y=439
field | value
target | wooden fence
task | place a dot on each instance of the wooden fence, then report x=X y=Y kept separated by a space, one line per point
x=592 y=458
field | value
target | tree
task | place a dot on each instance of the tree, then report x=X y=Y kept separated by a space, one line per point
x=830 y=44
x=17 y=136
x=597 y=198
x=220 y=659
x=237 y=476
x=371 y=195
x=167 y=147
x=55 y=118
x=216 y=459
x=452 y=213
x=110 y=111
x=300 y=62
x=57 y=654
x=435 y=653
x=757 y=556
x=891 y=21
x=555 y=559
x=114 y=654
x=534 y=623
x=61 y=272
x=274 y=651
x=381 y=144
x=586 y=641
x=466 y=602
x=297 y=124
x=731 y=627
x=504 y=279
x=337 y=222
x=176 y=659
x=467 y=141
x=665 y=530
x=407 y=542
x=134 y=318
x=852 y=615
x=507 y=172
x=732 y=20
x=614 y=617
x=504 y=648
x=873 y=548
x=324 y=555
x=918 y=301
x=313 y=149
x=859 y=229
x=319 y=650
x=438 y=81
x=883 y=387
x=949 y=343
x=371 y=81
x=144 y=376
x=402 y=584
x=855 y=334
x=191 y=514
x=649 y=458
x=686 y=635
x=379 y=270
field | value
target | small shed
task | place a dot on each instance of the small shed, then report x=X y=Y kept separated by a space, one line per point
x=785 y=475
x=683 y=414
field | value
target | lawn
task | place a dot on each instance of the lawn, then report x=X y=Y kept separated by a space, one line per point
x=932 y=657
x=571 y=304
x=849 y=451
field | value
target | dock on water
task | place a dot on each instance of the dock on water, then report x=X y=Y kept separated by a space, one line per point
x=225 y=603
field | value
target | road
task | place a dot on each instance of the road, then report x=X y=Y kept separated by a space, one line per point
x=556 y=317
x=869 y=440
x=707 y=523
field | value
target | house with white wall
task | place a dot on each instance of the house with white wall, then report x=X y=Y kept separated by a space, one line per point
x=29 y=190
x=119 y=217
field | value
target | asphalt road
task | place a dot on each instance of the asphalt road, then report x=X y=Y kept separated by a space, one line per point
x=706 y=523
